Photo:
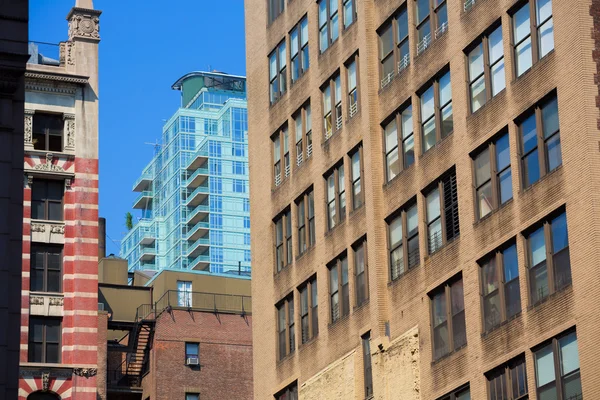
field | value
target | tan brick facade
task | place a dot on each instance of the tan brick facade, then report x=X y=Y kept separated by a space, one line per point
x=399 y=310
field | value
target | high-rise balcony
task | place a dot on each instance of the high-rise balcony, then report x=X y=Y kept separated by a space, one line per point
x=147 y=232
x=198 y=214
x=147 y=253
x=198 y=160
x=199 y=230
x=199 y=246
x=198 y=178
x=200 y=263
x=198 y=195
x=144 y=200
x=144 y=182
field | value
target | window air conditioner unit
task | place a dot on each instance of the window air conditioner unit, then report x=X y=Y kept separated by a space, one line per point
x=193 y=361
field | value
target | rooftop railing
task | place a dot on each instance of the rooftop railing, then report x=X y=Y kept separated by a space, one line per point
x=44 y=53
x=202 y=301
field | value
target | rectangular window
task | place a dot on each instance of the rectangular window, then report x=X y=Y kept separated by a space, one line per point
x=436 y=111
x=46 y=268
x=192 y=353
x=306 y=221
x=332 y=106
x=399 y=131
x=48 y=132
x=367 y=368
x=289 y=393
x=281 y=152
x=192 y=396
x=430 y=15
x=328 y=23
x=509 y=381
x=486 y=69
x=276 y=7
x=352 y=79
x=303 y=131
x=184 y=293
x=403 y=234
x=539 y=134
x=531 y=45
x=492 y=176
x=336 y=197
x=557 y=369
x=277 y=72
x=361 y=272
x=448 y=318
x=442 y=213
x=394 y=48
x=309 y=308
x=44 y=340
x=283 y=240
x=358 y=193
x=339 y=293
x=548 y=258
x=349 y=12
x=47 y=200
x=500 y=292
x=464 y=393
x=299 y=58
x=285 y=327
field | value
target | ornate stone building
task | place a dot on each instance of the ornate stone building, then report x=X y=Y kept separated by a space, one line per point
x=60 y=219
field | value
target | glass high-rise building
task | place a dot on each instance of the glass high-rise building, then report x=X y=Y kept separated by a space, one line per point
x=193 y=203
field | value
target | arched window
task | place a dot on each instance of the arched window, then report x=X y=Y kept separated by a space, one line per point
x=43 y=396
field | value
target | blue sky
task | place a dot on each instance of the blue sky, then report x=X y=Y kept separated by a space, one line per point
x=146 y=46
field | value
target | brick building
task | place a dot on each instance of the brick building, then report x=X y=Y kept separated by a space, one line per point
x=428 y=227
x=58 y=342
x=173 y=334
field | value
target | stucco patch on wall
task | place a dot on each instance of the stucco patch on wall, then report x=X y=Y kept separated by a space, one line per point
x=334 y=382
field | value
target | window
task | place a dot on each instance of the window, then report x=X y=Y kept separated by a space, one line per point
x=48 y=132
x=303 y=125
x=46 y=268
x=289 y=393
x=463 y=393
x=285 y=327
x=44 y=340
x=336 y=197
x=493 y=176
x=277 y=72
x=349 y=12
x=500 y=293
x=283 y=240
x=367 y=368
x=276 y=7
x=184 y=293
x=394 y=49
x=358 y=194
x=360 y=272
x=509 y=381
x=557 y=369
x=306 y=221
x=532 y=45
x=403 y=234
x=328 y=23
x=436 y=111
x=486 y=69
x=281 y=152
x=309 y=310
x=539 y=132
x=352 y=78
x=442 y=213
x=448 y=318
x=192 y=396
x=428 y=16
x=548 y=258
x=332 y=106
x=299 y=49
x=338 y=288
x=192 y=353
x=397 y=159
x=47 y=200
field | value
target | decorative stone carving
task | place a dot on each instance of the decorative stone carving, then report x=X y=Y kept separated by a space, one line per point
x=57 y=229
x=48 y=166
x=69 y=130
x=84 y=23
x=37 y=372
x=45 y=381
x=85 y=372
x=68 y=183
x=66 y=53
x=29 y=180
x=28 y=128
x=57 y=301
x=38 y=228
x=36 y=300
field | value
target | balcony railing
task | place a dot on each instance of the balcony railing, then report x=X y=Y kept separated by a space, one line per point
x=469 y=4
x=202 y=242
x=201 y=259
x=143 y=198
x=200 y=209
x=197 y=227
x=338 y=122
x=288 y=170
x=404 y=63
x=387 y=79
x=277 y=179
x=424 y=44
x=353 y=109
x=309 y=150
x=143 y=181
x=299 y=159
x=328 y=134
x=44 y=53
x=439 y=32
x=199 y=171
x=202 y=301
x=202 y=189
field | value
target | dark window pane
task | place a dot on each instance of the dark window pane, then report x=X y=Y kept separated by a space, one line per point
x=53 y=284
x=39 y=141
x=512 y=298
x=53 y=260
x=37 y=210
x=38 y=191
x=53 y=331
x=55 y=190
x=554 y=152
x=55 y=211
x=52 y=353
x=491 y=311
x=539 y=282
x=550 y=117
x=505 y=179
x=440 y=341
x=502 y=153
x=36 y=330
x=562 y=269
x=37 y=280
x=35 y=352
x=560 y=236
x=459 y=330
x=529 y=133
x=54 y=143
x=572 y=387
x=531 y=168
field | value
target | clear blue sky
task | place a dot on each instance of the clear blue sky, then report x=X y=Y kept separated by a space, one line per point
x=146 y=46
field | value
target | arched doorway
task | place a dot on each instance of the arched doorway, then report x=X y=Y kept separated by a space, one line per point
x=43 y=396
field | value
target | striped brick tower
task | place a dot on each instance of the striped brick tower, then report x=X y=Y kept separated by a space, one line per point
x=58 y=355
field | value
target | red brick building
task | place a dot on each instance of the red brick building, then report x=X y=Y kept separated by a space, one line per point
x=60 y=229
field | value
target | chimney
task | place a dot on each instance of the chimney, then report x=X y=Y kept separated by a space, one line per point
x=101 y=238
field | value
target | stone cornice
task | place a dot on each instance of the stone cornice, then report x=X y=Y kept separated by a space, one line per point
x=76 y=79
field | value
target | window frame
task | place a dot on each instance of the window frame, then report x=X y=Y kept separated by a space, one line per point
x=44 y=321
x=46 y=131
x=191 y=355
x=309 y=290
x=304 y=145
x=518 y=364
x=44 y=249
x=287 y=303
x=282 y=168
x=360 y=300
x=284 y=219
x=288 y=393
x=407 y=236
x=456 y=392
x=446 y=289
x=397 y=119
x=353 y=94
x=280 y=74
x=327 y=25
x=437 y=116
x=335 y=112
x=358 y=201
x=340 y=215
x=308 y=237
x=435 y=30
x=302 y=55
x=354 y=13
x=439 y=186
x=45 y=199
x=343 y=301
x=400 y=63
x=274 y=12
